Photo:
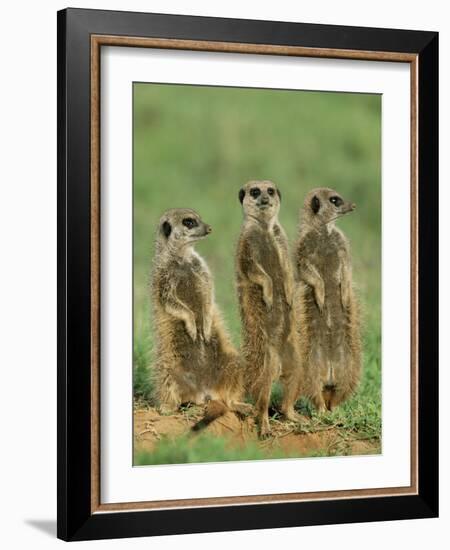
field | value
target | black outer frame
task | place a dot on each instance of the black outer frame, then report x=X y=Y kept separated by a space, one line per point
x=75 y=521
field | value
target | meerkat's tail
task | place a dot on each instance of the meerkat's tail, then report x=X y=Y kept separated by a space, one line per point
x=214 y=409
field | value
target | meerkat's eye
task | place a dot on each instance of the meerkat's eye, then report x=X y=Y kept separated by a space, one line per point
x=189 y=223
x=337 y=201
x=271 y=191
x=255 y=192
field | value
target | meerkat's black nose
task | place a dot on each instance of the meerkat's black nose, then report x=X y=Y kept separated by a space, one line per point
x=353 y=206
x=265 y=200
x=208 y=229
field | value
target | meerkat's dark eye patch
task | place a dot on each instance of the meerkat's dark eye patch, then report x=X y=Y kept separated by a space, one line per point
x=337 y=201
x=190 y=223
x=271 y=191
x=315 y=204
x=166 y=228
x=255 y=192
x=241 y=195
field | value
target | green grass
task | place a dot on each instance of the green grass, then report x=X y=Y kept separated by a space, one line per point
x=195 y=146
x=201 y=449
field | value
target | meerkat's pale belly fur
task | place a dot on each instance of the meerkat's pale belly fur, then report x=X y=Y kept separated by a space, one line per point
x=192 y=370
x=329 y=336
x=260 y=322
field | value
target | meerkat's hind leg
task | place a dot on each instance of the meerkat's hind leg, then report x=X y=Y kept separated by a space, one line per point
x=237 y=405
x=262 y=390
x=169 y=395
x=262 y=406
x=290 y=381
x=319 y=403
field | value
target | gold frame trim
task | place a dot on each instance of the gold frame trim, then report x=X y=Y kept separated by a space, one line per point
x=97 y=41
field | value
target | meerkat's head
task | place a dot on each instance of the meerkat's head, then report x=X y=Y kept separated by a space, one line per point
x=323 y=206
x=260 y=199
x=181 y=227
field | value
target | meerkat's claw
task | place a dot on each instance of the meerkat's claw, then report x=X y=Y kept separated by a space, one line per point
x=269 y=302
x=265 y=431
x=289 y=297
x=319 y=295
x=192 y=331
x=207 y=332
x=320 y=301
x=265 y=435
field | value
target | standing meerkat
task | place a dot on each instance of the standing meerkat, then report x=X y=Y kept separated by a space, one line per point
x=195 y=359
x=265 y=285
x=329 y=325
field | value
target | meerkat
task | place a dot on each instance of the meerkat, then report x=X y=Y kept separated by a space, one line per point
x=195 y=359
x=328 y=312
x=265 y=284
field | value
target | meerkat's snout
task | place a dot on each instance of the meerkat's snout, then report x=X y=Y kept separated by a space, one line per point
x=260 y=199
x=196 y=228
x=181 y=227
x=263 y=196
x=324 y=205
x=350 y=206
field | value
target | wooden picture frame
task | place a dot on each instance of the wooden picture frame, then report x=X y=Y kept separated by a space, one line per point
x=81 y=35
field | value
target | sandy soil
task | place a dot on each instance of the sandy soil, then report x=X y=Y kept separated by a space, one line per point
x=150 y=427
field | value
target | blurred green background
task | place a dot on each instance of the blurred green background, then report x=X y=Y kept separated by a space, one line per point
x=195 y=146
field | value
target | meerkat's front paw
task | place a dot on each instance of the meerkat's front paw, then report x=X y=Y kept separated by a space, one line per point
x=268 y=300
x=290 y=300
x=320 y=298
x=191 y=329
x=207 y=331
x=267 y=288
x=345 y=297
x=288 y=295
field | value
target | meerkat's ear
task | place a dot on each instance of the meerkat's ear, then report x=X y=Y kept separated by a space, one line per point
x=166 y=228
x=241 y=195
x=279 y=194
x=315 y=204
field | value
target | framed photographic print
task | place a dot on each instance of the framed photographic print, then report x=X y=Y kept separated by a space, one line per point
x=247 y=256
